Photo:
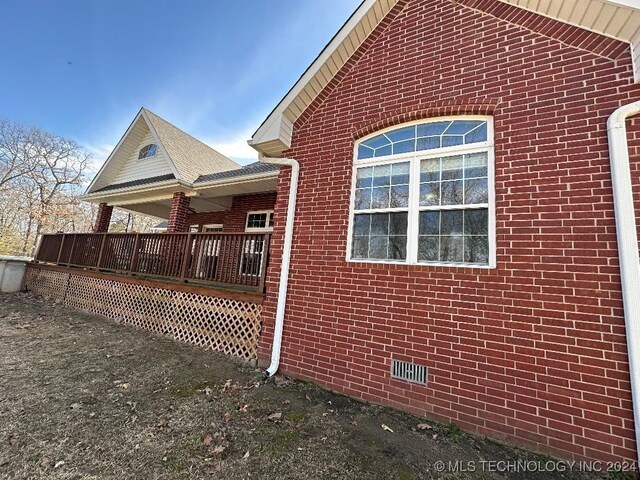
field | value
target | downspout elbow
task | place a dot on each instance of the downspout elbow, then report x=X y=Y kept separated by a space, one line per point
x=286 y=259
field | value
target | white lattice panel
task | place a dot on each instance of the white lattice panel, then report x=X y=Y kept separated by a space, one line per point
x=221 y=324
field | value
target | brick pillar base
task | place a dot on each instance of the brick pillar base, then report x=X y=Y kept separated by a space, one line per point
x=103 y=219
x=179 y=214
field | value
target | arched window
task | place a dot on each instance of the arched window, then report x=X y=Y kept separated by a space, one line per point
x=423 y=193
x=148 y=151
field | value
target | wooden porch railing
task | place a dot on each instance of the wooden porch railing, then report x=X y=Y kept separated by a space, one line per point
x=224 y=259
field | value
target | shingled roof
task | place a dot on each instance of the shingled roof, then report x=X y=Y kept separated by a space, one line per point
x=248 y=170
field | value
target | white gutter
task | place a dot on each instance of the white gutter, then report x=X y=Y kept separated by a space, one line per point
x=627 y=246
x=286 y=258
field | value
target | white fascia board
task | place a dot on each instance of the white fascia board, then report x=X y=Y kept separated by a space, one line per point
x=112 y=154
x=271 y=128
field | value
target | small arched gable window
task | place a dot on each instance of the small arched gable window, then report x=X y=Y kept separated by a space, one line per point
x=148 y=151
x=423 y=194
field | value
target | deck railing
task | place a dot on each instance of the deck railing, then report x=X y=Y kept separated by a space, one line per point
x=223 y=259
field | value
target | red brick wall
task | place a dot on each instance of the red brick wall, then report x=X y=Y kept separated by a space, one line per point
x=235 y=219
x=534 y=351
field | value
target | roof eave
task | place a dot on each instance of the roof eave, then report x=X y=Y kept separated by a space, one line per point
x=99 y=196
x=235 y=180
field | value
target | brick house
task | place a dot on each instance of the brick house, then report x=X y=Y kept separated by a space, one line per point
x=453 y=246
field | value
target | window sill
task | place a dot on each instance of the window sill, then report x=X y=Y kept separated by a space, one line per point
x=424 y=264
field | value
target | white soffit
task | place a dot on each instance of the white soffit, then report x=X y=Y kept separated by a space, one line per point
x=619 y=19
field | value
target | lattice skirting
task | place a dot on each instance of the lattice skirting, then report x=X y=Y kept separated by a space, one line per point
x=222 y=324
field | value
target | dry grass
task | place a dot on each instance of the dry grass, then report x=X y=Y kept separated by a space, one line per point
x=83 y=397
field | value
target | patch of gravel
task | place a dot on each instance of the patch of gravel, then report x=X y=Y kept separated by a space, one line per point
x=83 y=397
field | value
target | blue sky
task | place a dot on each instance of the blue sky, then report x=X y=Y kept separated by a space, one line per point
x=82 y=69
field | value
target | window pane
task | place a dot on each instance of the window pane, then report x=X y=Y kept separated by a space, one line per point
x=399 y=196
x=380 y=236
x=428 y=143
x=381 y=175
x=478 y=134
x=476 y=222
x=380 y=197
x=362 y=224
x=451 y=249
x=452 y=193
x=400 y=173
x=397 y=248
x=364 y=177
x=429 y=194
x=428 y=249
x=452 y=168
x=360 y=247
x=461 y=127
x=476 y=250
x=364 y=151
x=376 y=142
x=398 y=224
x=451 y=222
x=400 y=134
x=430 y=170
x=434 y=128
x=383 y=151
x=380 y=224
x=429 y=223
x=404 y=147
x=475 y=165
x=363 y=199
x=452 y=140
x=476 y=191
x=378 y=247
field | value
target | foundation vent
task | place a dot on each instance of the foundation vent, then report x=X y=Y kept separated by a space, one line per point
x=409 y=372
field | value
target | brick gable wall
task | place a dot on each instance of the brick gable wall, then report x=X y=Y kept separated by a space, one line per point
x=534 y=351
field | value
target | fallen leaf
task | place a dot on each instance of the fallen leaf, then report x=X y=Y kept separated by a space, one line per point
x=207 y=439
x=208 y=391
x=219 y=449
x=286 y=402
x=244 y=408
x=384 y=427
x=123 y=386
x=274 y=417
x=323 y=439
x=59 y=464
x=354 y=423
x=227 y=417
x=74 y=406
x=227 y=384
x=246 y=455
x=424 y=426
x=434 y=436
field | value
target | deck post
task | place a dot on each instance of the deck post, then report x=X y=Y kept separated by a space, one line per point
x=185 y=257
x=104 y=238
x=133 y=263
x=263 y=262
x=73 y=245
x=64 y=235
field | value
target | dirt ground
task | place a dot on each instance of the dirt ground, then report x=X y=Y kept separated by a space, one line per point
x=83 y=397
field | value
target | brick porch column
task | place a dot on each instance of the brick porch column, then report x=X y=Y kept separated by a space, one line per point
x=178 y=216
x=103 y=219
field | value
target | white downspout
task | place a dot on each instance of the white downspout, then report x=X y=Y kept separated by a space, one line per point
x=286 y=258
x=627 y=246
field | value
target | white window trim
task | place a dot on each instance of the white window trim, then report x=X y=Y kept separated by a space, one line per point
x=414 y=192
x=267 y=228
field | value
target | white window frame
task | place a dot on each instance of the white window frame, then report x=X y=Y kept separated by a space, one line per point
x=414 y=207
x=266 y=228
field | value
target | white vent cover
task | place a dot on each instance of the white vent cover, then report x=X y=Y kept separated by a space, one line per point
x=409 y=372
